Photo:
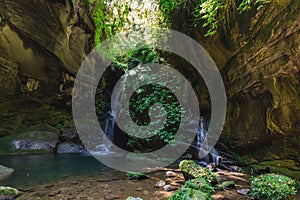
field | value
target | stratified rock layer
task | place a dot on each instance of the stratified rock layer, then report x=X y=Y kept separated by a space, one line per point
x=259 y=59
x=42 y=45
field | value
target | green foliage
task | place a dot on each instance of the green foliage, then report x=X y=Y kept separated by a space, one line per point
x=228 y=185
x=139 y=55
x=200 y=184
x=273 y=187
x=190 y=194
x=167 y=7
x=192 y=171
x=216 y=12
x=146 y=96
x=108 y=20
x=208 y=10
x=248 y=4
x=8 y=191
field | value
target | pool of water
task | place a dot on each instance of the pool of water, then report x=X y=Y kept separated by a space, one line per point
x=31 y=170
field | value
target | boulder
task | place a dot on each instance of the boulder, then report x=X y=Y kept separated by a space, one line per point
x=32 y=145
x=70 y=147
x=5 y=172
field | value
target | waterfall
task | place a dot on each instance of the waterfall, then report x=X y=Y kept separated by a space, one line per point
x=212 y=156
x=109 y=129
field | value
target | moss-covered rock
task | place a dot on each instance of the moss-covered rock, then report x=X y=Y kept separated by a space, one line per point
x=191 y=170
x=286 y=167
x=8 y=191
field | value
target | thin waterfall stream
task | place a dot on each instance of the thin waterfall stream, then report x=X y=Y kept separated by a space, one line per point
x=212 y=156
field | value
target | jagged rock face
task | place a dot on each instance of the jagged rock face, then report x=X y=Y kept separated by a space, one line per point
x=42 y=44
x=259 y=58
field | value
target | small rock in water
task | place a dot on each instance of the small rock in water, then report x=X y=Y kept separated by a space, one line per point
x=133 y=198
x=169 y=180
x=171 y=174
x=169 y=188
x=244 y=191
x=160 y=183
x=139 y=189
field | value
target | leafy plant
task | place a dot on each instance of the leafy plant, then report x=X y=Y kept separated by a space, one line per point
x=190 y=194
x=217 y=12
x=273 y=187
x=167 y=7
x=209 y=10
x=200 y=184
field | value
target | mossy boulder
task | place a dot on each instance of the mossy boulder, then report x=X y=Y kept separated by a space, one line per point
x=191 y=170
x=7 y=193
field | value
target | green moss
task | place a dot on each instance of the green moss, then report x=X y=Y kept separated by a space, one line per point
x=273 y=187
x=5 y=191
x=200 y=184
x=136 y=176
x=40 y=132
x=167 y=7
x=190 y=194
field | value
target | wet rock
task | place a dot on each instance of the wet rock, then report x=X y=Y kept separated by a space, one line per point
x=133 y=198
x=29 y=145
x=169 y=188
x=170 y=174
x=69 y=133
x=34 y=54
x=112 y=197
x=244 y=191
x=160 y=183
x=5 y=172
x=70 y=147
x=211 y=166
